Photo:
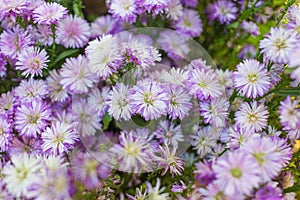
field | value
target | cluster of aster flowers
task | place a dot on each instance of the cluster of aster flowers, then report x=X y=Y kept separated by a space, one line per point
x=112 y=109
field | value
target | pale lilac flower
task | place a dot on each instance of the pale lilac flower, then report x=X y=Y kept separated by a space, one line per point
x=149 y=99
x=12 y=8
x=266 y=155
x=31 y=89
x=55 y=88
x=104 y=25
x=289 y=113
x=59 y=138
x=178 y=188
x=226 y=81
x=49 y=13
x=275 y=73
x=155 y=6
x=175 y=76
x=44 y=35
x=73 y=32
x=32 y=118
x=170 y=161
x=3 y=63
x=156 y=192
x=238 y=137
x=118 y=102
x=285 y=150
x=32 y=60
x=268 y=192
x=215 y=112
x=251 y=78
x=252 y=116
x=97 y=99
x=20 y=172
x=250 y=27
x=189 y=23
x=237 y=172
x=75 y=75
x=25 y=144
x=204 y=84
x=174 y=10
x=124 y=10
x=249 y=51
x=222 y=10
x=204 y=174
x=214 y=192
x=279 y=44
x=13 y=41
x=5 y=134
x=294 y=59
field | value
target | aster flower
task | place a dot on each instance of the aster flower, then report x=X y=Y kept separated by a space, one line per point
x=285 y=150
x=175 y=76
x=75 y=75
x=149 y=99
x=250 y=27
x=213 y=191
x=155 y=6
x=279 y=44
x=204 y=84
x=104 y=25
x=222 y=10
x=55 y=88
x=204 y=173
x=174 y=10
x=268 y=192
x=32 y=60
x=215 y=112
x=3 y=63
x=238 y=137
x=12 y=8
x=204 y=140
x=73 y=32
x=5 y=134
x=49 y=13
x=26 y=145
x=13 y=41
x=44 y=35
x=189 y=23
x=118 y=102
x=59 y=138
x=178 y=188
x=97 y=99
x=31 y=118
x=251 y=78
x=103 y=56
x=266 y=155
x=124 y=10
x=20 y=172
x=289 y=113
x=249 y=51
x=31 y=89
x=155 y=193
x=139 y=194
x=275 y=71
x=170 y=162
x=252 y=116
x=237 y=173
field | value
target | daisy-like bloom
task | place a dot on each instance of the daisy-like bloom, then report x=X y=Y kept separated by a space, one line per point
x=250 y=27
x=44 y=35
x=268 y=192
x=32 y=118
x=133 y=154
x=12 y=8
x=215 y=112
x=189 y=23
x=204 y=173
x=5 y=134
x=27 y=145
x=204 y=84
x=175 y=76
x=180 y=102
x=104 y=25
x=88 y=170
x=20 y=172
x=49 y=13
x=266 y=155
x=275 y=71
x=170 y=162
x=103 y=55
x=168 y=133
x=97 y=99
x=213 y=191
x=76 y=76
x=237 y=172
x=251 y=78
x=252 y=116
x=13 y=41
x=73 y=32
x=238 y=137
x=155 y=6
x=289 y=113
x=32 y=60
x=279 y=44
x=55 y=88
x=204 y=140
x=31 y=89
x=124 y=10
x=285 y=150
x=149 y=99
x=249 y=51
x=59 y=138
x=86 y=118
x=174 y=10
x=118 y=102
x=155 y=193
x=222 y=10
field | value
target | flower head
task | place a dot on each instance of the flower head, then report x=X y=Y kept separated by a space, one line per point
x=49 y=13
x=222 y=10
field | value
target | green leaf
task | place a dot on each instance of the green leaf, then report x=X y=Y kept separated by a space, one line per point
x=106 y=120
x=294 y=91
x=294 y=188
x=63 y=55
x=138 y=120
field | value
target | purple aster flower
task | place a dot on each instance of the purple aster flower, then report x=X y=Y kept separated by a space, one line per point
x=59 y=138
x=178 y=188
x=275 y=73
x=5 y=134
x=175 y=76
x=238 y=137
x=252 y=116
x=215 y=112
x=250 y=27
x=237 y=172
x=104 y=25
x=118 y=102
x=55 y=88
x=222 y=10
x=12 y=8
x=266 y=155
x=251 y=78
x=204 y=173
x=289 y=113
x=213 y=191
x=25 y=144
x=44 y=35
x=294 y=59
x=249 y=51
x=189 y=23
x=73 y=32
x=279 y=44
x=174 y=10
x=75 y=75
x=124 y=10
x=3 y=63
x=190 y=3
x=155 y=6
x=97 y=99
x=88 y=170
x=285 y=150
x=31 y=89
x=268 y=192
x=13 y=41
x=32 y=60
x=49 y=13
x=204 y=84
x=149 y=99
x=32 y=118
